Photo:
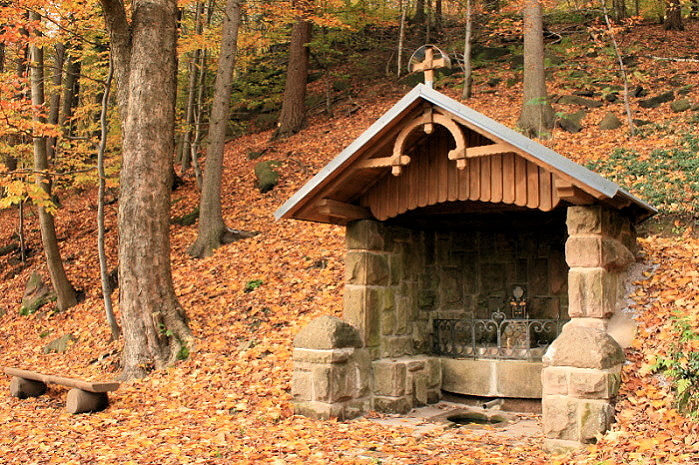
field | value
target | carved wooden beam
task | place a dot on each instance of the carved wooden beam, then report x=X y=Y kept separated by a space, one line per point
x=427 y=120
x=572 y=194
x=485 y=150
x=343 y=210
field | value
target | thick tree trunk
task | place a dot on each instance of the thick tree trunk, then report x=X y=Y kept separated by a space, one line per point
x=65 y=295
x=185 y=158
x=673 y=16
x=536 y=118
x=144 y=52
x=55 y=101
x=211 y=225
x=468 y=78
x=293 y=113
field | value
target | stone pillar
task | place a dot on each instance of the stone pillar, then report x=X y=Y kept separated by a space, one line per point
x=332 y=371
x=583 y=365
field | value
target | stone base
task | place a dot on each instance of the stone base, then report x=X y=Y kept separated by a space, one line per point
x=340 y=410
x=492 y=378
x=560 y=446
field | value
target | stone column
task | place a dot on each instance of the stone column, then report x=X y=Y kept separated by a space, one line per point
x=582 y=367
x=332 y=371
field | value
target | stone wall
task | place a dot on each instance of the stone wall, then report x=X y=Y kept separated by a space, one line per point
x=582 y=367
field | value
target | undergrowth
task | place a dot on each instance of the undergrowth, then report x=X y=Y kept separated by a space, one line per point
x=668 y=178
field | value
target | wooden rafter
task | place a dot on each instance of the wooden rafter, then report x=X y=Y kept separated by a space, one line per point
x=343 y=210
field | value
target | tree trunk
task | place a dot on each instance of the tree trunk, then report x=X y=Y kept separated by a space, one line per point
x=468 y=78
x=2 y=57
x=293 y=114
x=619 y=7
x=438 y=15
x=673 y=16
x=104 y=271
x=144 y=52
x=70 y=92
x=419 y=12
x=65 y=294
x=401 y=41
x=536 y=118
x=55 y=101
x=185 y=158
x=211 y=225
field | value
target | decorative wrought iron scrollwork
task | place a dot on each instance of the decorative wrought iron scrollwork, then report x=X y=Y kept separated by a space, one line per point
x=501 y=336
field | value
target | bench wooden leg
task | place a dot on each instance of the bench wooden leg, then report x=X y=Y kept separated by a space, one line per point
x=79 y=401
x=23 y=388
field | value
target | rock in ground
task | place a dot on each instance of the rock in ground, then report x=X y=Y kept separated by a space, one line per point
x=654 y=102
x=679 y=106
x=36 y=294
x=572 y=122
x=60 y=344
x=581 y=101
x=267 y=177
x=609 y=122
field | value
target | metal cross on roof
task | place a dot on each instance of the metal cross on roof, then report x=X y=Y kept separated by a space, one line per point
x=429 y=63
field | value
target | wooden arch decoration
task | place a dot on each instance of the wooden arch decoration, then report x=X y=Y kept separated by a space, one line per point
x=428 y=120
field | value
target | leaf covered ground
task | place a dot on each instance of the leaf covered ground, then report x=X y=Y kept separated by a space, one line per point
x=229 y=402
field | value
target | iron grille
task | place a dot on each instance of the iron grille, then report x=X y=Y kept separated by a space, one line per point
x=509 y=333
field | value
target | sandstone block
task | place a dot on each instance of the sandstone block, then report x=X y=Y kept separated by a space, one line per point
x=362 y=309
x=592 y=292
x=327 y=356
x=392 y=404
x=433 y=369
x=23 y=388
x=560 y=446
x=302 y=385
x=554 y=381
x=366 y=235
x=593 y=250
x=594 y=417
x=594 y=384
x=433 y=396
x=327 y=332
x=319 y=410
x=559 y=418
x=419 y=389
x=389 y=378
x=518 y=378
x=396 y=346
x=79 y=401
x=583 y=347
x=366 y=268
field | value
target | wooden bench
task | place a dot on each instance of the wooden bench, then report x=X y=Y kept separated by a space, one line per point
x=85 y=396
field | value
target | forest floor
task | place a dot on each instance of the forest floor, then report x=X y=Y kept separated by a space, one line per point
x=230 y=401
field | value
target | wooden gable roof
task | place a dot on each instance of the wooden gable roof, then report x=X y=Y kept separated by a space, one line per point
x=429 y=149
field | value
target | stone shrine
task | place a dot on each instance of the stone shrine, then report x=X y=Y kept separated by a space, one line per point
x=478 y=262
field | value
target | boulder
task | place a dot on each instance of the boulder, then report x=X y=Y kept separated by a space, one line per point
x=580 y=101
x=609 y=122
x=60 y=344
x=685 y=90
x=36 y=294
x=641 y=122
x=266 y=175
x=186 y=220
x=654 y=102
x=327 y=332
x=492 y=82
x=611 y=97
x=679 y=106
x=572 y=122
x=639 y=92
x=584 y=347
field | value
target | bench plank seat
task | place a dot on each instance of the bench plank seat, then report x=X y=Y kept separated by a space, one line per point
x=63 y=381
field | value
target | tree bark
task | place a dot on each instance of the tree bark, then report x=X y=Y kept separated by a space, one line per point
x=468 y=78
x=144 y=53
x=65 y=295
x=673 y=16
x=419 y=17
x=536 y=118
x=70 y=92
x=211 y=225
x=104 y=271
x=55 y=101
x=185 y=158
x=293 y=113
x=619 y=7
x=401 y=41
